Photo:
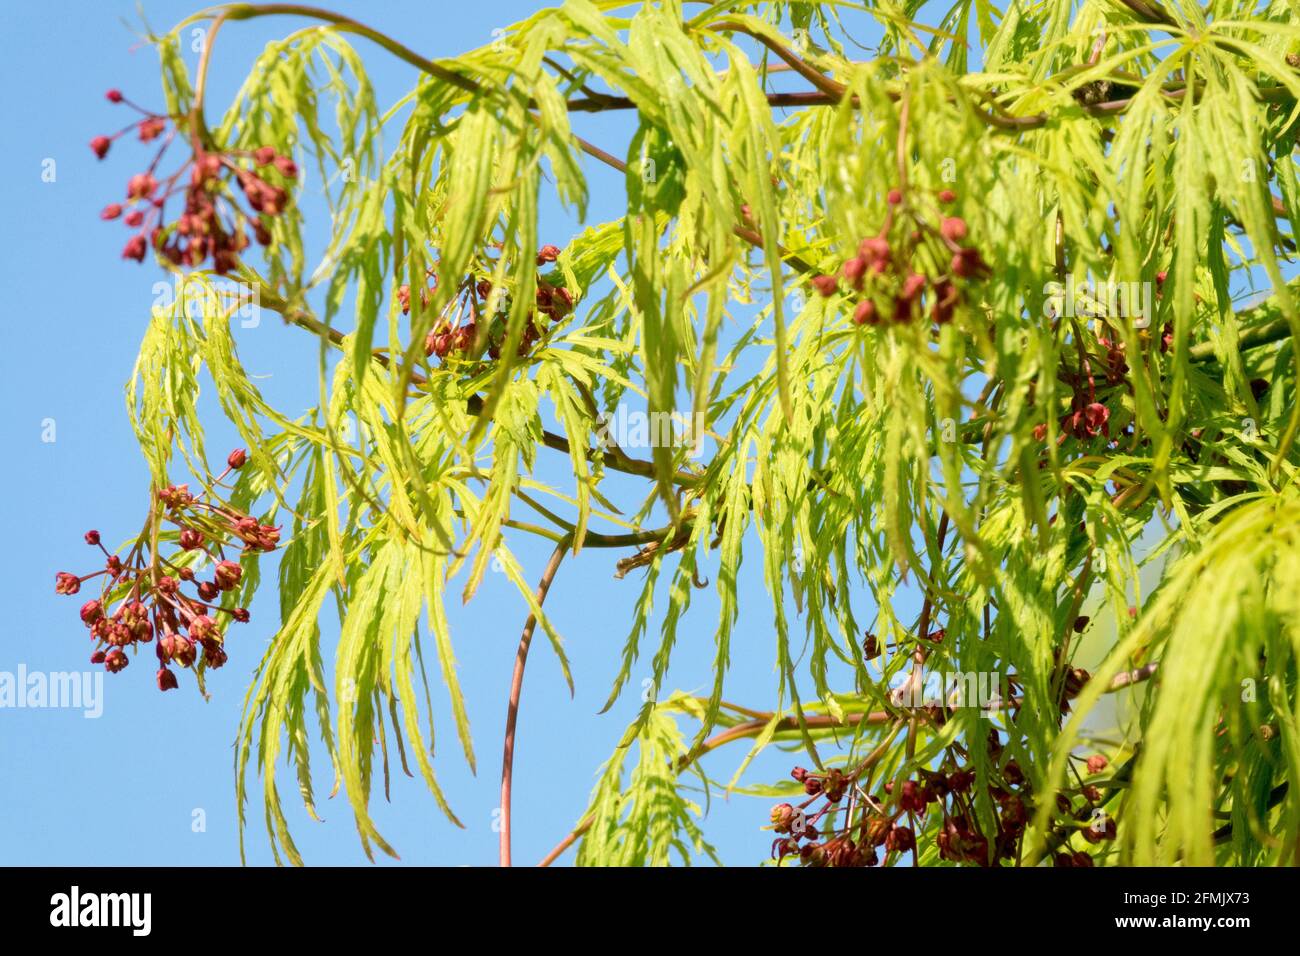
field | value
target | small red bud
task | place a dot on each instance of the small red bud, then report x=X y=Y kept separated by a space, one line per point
x=65 y=583
x=854 y=270
x=953 y=228
x=967 y=264
x=875 y=249
x=825 y=285
x=895 y=197
x=151 y=128
x=783 y=814
x=912 y=286
x=947 y=196
x=911 y=798
x=1095 y=416
x=263 y=155
x=288 y=169
x=140 y=186
x=237 y=458
x=166 y=679
x=92 y=538
x=178 y=648
x=203 y=628
x=113 y=96
x=900 y=840
x=214 y=655
x=100 y=145
x=91 y=612
x=111 y=211
x=227 y=575
x=865 y=313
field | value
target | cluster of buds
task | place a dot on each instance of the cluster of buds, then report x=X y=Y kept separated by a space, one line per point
x=1087 y=821
x=958 y=835
x=1088 y=417
x=211 y=222
x=458 y=327
x=145 y=597
x=830 y=784
x=940 y=803
x=799 y=827
x=886 y=277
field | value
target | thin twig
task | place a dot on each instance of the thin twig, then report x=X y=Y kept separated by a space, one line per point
x=516 y=687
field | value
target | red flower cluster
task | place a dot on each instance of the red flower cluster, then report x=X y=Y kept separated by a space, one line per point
x=211 y=222
x=1088 y=417
x=149 y=592
x=457 y=330
x=882 y=276
x=796 y=824
x=892 y=819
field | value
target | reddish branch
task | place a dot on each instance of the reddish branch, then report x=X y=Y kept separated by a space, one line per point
x=516 y=687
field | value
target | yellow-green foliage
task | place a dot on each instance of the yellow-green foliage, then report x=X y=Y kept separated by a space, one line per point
x=827 y=469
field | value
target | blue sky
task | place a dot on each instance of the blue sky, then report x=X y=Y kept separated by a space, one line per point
x=124 y=788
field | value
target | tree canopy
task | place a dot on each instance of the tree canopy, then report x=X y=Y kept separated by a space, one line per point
x=986 y=317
